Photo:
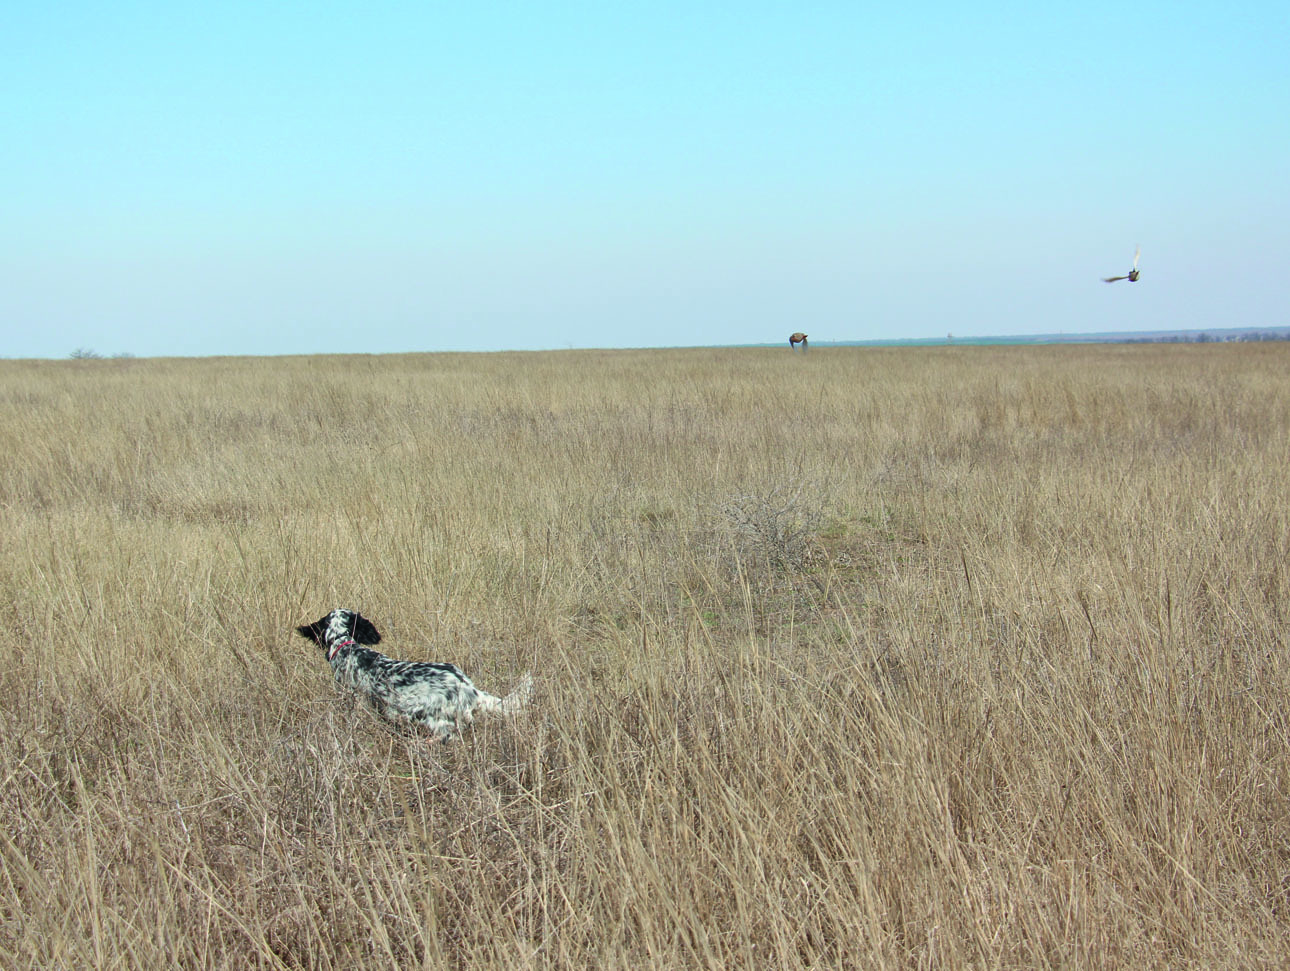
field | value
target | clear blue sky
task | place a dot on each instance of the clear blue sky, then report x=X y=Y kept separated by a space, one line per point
x=269 y=178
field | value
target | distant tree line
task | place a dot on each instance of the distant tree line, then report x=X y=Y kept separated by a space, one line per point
x=1205 y=338
x=89 y=354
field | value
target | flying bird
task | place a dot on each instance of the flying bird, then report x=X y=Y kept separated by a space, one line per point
x=1132 y=275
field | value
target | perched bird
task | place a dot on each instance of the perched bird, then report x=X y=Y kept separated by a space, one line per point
x=1132 y=275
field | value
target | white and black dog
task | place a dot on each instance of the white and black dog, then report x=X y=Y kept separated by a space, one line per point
x=436 y=696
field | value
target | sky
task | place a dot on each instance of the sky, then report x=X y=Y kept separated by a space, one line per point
x=181 y=179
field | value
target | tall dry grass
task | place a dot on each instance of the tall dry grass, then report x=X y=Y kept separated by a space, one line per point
x=884 y=658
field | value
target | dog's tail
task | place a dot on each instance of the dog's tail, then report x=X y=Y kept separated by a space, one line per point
x=513 y=702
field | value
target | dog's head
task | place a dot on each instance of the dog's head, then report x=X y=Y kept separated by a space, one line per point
x=338 y=625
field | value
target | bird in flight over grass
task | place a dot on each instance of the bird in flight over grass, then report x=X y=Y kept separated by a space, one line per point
x=1132 y=275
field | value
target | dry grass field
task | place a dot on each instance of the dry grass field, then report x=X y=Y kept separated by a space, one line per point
x=897 y=658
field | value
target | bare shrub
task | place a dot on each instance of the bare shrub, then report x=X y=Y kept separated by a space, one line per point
x=775 y=527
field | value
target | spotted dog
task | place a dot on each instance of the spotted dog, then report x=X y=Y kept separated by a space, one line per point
x=436 y=696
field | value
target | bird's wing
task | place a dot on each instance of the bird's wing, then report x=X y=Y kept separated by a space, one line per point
x=1136 y=253
x=1112 y=279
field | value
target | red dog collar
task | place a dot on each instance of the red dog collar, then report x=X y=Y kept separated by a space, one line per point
x=335 y=648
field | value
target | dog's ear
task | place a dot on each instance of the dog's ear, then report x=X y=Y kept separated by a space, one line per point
x=365 y=631
x=313 y=631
